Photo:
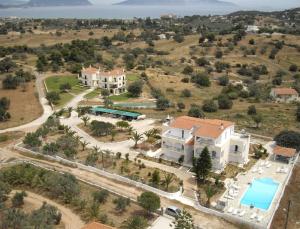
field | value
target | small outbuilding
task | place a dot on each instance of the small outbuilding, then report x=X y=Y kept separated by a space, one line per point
x=285 y=95
x=284 y=154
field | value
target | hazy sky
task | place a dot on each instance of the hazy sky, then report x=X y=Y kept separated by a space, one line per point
x=252 y=4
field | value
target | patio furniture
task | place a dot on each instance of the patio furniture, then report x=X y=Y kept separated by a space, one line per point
x=253 y=216
x=242 y=213
x=254 y=170
x=259 y=218
x=230 y=210
x=229 y=197
x=235 y=211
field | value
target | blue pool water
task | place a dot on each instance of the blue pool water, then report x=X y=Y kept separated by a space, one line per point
x=260 y=193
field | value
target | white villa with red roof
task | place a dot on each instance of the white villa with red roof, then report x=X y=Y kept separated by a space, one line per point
x=114 y=81
x=285 y=95
x=187 y=136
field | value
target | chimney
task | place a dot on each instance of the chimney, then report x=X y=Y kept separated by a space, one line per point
x=222 y=126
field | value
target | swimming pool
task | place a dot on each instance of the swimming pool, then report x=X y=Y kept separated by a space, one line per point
x=260 y=193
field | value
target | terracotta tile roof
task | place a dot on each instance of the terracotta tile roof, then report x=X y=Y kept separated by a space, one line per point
x=96 y=225
x=90 y=70
x=114 y=72
x=285 y=91
x=211 y=128
x=283 y=151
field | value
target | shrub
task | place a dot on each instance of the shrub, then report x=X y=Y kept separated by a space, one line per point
x=185 y=80
x=53 y=97
x=202 y=62
x=201 y=79
x=251 y=110
x=186 y=93
x=195 y=111
x=188 y=70
x=293 y=68
x=149 y=201
x=209 y=106
x=219 y=54
x=181 y=105
x=162 y=103
x=290 y=139
x=136 y=88
x=100 y=196
x=223 y=80
x=224 y=102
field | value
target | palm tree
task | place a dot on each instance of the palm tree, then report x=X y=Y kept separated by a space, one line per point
x=136 y=137
x=169 y=177
x=77 y=138
x=210 y=191
x=70 y=109
x=148 y=134
x=85 y=120
x=67 y=129
x=130 y=129
x=84 y=144
x=113 y=133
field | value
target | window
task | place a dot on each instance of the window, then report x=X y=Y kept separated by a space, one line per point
x=236 y=148
x=213 y=154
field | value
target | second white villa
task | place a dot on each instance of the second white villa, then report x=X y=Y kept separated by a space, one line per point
x=187 y=136
x=114 y=81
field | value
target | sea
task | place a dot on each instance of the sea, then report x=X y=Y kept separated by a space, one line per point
x=112 y=11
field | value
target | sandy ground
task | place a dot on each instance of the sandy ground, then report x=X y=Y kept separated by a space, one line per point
x=202 y=219
x=69 y=219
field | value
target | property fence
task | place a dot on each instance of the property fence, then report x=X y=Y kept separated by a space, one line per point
x=102 y=173
x=177 y=195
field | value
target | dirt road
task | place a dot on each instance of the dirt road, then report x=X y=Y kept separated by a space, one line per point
x=69 y=219
x=203 y=220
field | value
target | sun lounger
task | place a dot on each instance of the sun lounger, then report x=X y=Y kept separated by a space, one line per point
x=230 y=210
x=242 y=213
x=263 y=163
x=278 y=170
x=285 y=170
x=254 y=215
x=259 y=218
x=254 y=170
x=268 y=165
x=229 y=197
x=235 y=212
x=235 y=186
x=232 y=193
x=260 y=170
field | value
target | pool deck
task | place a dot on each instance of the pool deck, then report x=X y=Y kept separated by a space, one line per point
x=244 y=179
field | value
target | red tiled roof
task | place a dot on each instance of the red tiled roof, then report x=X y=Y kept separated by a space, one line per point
x=285 y=91
x=283 y=151
x=211 y=128
x=90 y=70
x=117 y=71
x=96 y=225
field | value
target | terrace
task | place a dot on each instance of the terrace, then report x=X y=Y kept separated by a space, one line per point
x=243 y=201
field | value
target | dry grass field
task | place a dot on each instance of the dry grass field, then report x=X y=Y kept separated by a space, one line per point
x=24 y=106
x=50 y=37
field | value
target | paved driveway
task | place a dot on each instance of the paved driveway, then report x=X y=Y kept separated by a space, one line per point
x=162 y=222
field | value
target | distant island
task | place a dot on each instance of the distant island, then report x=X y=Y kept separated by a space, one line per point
x=176 y=2
x=58 y=3
x=38 y=3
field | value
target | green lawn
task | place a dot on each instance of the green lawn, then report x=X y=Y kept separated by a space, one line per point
x=53 y=83
x=93 y=94
x=132 y=77
x=119 y=98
